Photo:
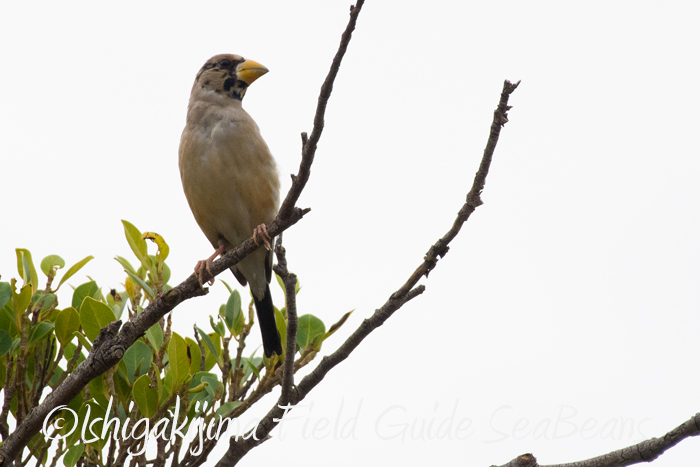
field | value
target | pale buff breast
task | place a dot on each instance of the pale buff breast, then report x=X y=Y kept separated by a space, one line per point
x=228 y=174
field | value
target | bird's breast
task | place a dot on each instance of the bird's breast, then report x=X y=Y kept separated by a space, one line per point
x=228 y=174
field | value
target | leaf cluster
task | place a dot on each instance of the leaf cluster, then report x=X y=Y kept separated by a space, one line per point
x=163 y=379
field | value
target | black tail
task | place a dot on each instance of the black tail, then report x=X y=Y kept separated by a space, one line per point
x=268 y=328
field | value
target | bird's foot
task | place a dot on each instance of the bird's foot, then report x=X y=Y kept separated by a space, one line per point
x=260 y=235
x=205 y=265
x=199 y=270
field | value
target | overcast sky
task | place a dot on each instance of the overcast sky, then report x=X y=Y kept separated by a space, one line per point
x=564 y=319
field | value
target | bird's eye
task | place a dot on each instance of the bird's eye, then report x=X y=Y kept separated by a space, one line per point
x=225 y=63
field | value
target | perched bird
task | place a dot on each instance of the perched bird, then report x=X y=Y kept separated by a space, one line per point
x=230 y=178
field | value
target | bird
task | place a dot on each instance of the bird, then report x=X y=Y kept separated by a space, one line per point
x=230 y=179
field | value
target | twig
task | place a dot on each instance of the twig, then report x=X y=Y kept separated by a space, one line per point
x=309 y=144
x=440 y=248
x=236 y=373
x=290 y=282
x=646 y=451
x=9 y=394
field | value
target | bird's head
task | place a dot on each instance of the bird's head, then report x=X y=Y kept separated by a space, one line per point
x=229 y=75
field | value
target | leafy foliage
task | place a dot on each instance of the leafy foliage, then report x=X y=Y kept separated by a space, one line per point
x=202 y=378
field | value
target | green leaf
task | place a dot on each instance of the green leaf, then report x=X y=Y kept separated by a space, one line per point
x=5 y=342
x=226 y=408
x=15 y=346
x=177 y=356
x=219 y=327
x=210 y=359
x=98 y=391
x=69 y=419
x=73 y=455
x=69 y=351
x=94 y=315
x=281 y=323
x=44 y=300
x=125 y=264
x=227 y=286
x=154 y=334
x=281 y=284
x=141 y=284
x=21 y=301
x=51 y=263
x=145 y=396
x=233 y=307
x=168 y=386
x=39 y=331
x=309 y=329
x=195 y=355
x=137 y=244
x=122 y=388
x=96 y=411
x=137 y=358
x=8 y=321
x=297 y=286
x=5 y=293
x=202 y=389
x=233 y=314
x=253 y=366
x=159 y=383
x=73 y=269
x=88 y=289
x=166 y=273
x=210 y=345
x=25 y=267
x=83 y=340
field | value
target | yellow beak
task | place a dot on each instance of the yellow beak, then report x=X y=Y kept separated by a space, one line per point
x=249 y=71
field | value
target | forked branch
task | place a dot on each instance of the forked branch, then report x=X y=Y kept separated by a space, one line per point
x=238 y=448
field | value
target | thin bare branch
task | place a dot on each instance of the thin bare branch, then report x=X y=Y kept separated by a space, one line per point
x=310 y=143
x=440 y=248
x=646 y=451
x=290 y=283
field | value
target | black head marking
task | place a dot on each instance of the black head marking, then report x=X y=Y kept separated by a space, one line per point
x=228 y=84
x=219 y=75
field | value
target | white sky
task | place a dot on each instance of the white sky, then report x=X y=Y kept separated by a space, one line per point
x=568 y=304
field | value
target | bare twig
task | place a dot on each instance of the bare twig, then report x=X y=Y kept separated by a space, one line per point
x=309 y=144
x=646 y=451
x=440 y=248
x=290 y=283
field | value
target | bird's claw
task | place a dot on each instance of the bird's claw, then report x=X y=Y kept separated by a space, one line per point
x=200 y=268
x=260 y=235
x=205 y=264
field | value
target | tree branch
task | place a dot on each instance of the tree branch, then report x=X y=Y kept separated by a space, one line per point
x=111 y=344
x=290 y=284
x=239 y=448
x=440 y=248
x=309 y=144
x=646 y=451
